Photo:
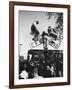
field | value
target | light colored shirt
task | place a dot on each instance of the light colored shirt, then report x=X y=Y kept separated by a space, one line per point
x=24 y=74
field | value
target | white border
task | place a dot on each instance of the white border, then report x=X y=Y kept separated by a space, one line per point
x=45 y=80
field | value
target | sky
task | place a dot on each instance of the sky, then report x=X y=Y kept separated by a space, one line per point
x=26 y=18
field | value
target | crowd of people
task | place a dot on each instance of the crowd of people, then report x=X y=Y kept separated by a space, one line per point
x=40 y=64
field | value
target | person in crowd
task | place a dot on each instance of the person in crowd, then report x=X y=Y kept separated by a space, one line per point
x=53 y=73
x=24 y=74
x=36 y=76
x=21 y=64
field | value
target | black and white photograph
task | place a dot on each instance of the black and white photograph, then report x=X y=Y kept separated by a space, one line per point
x=39 y=45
